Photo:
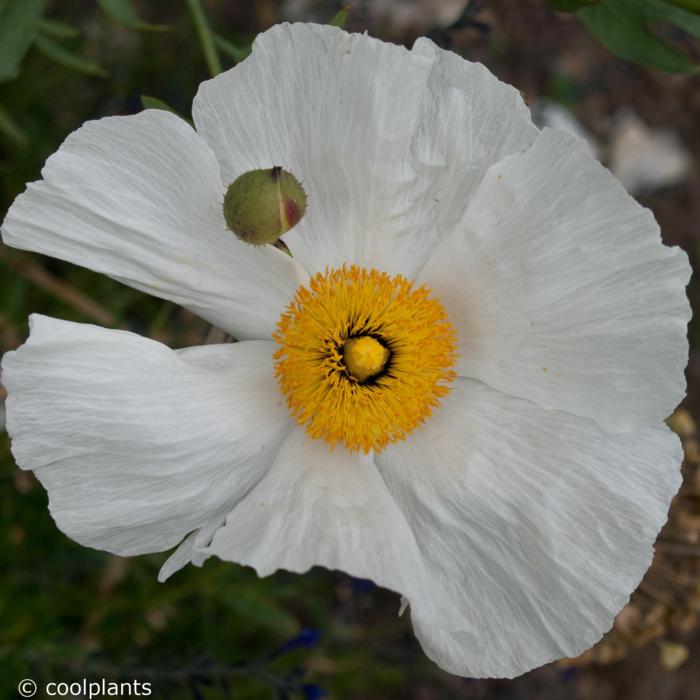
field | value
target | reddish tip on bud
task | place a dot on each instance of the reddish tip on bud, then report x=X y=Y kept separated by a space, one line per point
x=262 y=205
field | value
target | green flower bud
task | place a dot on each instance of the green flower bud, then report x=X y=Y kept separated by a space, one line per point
x=262 y=205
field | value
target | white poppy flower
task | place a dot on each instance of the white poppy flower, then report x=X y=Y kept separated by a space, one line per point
x=500 y=455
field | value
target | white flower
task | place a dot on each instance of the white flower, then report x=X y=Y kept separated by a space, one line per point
x=517 y=517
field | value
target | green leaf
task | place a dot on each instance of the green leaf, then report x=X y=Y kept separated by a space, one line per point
x=122 y=12
x=666 y=12
x=149 y=102
x=58 y=30
x=19 y=22
x=569 y=5
x=12 y=130
x=341 y=18
x=66 y=58
x=237 y=53
x=626 y=34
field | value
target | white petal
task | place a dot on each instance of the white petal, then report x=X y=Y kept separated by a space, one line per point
x=470 y=120
x=389 y=143
x=135 y=444
x=189 y=550
x=2 y=404
x=535 y=526
x=562 y=292
x=140 y=199
x=318 y=506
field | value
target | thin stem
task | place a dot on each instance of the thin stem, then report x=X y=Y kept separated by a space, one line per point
x=206 y=38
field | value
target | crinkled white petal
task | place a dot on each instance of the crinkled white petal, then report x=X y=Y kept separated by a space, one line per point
x=138 y=445
x=139 y=198
x=318 y=506
x=390 y=144
x=562 y=292
x=534 y=526
x=2 y=403
x=190 y=549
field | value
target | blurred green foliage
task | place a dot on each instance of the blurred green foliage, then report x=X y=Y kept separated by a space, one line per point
x=626 y=27
x=122 y=12
x=19 y=24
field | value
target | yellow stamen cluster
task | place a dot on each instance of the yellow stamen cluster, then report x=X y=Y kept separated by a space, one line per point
x=364 y=357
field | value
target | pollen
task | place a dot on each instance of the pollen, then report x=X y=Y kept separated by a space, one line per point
x=364 y=357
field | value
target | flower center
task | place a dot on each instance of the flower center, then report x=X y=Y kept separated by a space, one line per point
x=364 y=357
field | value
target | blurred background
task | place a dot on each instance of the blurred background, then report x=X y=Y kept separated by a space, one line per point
x=67 y=612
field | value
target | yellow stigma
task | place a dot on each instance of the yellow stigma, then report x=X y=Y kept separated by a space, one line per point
x=364 y=357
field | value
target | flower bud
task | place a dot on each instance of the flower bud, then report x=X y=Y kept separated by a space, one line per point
x=262 y=205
